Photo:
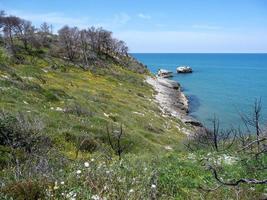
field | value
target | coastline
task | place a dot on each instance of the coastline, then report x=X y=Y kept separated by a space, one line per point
x=172 y=101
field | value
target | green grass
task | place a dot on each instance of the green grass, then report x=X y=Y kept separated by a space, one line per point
x=121 y=99
x=74 y=104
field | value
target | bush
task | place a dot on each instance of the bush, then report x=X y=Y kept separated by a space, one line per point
x=83 y=142
x=5 y=156
x=19 y=131
x=88 y=145
x=27 y=189
x=77 y=109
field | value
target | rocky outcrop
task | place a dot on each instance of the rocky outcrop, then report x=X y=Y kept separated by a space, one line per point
x=168 y=83
x=172 y=100
x=184 y=69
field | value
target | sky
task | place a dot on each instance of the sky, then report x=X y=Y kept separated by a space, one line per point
x=159 y=26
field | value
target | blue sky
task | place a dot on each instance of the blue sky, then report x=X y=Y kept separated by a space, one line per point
x=160 y=25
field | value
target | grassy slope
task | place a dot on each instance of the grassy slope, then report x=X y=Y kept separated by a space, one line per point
x=117 y=96
x=37 y=89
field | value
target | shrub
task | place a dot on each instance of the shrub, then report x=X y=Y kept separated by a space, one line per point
x=77 y=109
x=27 y=189
x=88 y=144
x=83 y=142
x=19 y=131
x=5 y=156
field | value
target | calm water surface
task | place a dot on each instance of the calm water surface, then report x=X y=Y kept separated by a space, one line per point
x=221 y=84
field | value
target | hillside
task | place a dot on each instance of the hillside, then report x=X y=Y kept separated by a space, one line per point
x=71 y=101
x=79 y=121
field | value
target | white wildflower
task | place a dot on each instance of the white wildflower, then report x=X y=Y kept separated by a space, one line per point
x=56 y=186
x=168 y=147
x=5 y=77
x=95 y=197
x=27 y=77
x=92 y=160
x=59 y=109
x=62 y=182
x=71 y=195
x=86 y=164
x=153 y=186
x=25 y=102
x=191 y=156
x=78 y=172
x=228 y=160
x=138 y=113
x=131 y=191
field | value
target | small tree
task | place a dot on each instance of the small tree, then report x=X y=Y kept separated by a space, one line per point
x=45 y=34
x=8 y=26
x=252 y=149
x=214 y=137
x=68 y=41
x=254 y=120
x=25 y=32
x=115 y=140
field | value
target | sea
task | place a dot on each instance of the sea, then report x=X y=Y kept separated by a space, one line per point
x=222 y=85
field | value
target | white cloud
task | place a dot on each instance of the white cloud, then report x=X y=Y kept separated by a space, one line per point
x=58 y=19
x=116 y=22
x=55 y=18
x=121 y=19
x=144 y=16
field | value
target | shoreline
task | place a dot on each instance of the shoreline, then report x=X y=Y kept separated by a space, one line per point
x=172 y=101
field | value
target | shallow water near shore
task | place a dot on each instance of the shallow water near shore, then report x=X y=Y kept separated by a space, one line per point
x=221 y=84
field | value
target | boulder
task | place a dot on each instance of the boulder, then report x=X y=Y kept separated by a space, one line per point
x=169 y=83
x=184 y=69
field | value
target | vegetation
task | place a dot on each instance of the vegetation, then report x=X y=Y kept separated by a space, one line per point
x=77 y=121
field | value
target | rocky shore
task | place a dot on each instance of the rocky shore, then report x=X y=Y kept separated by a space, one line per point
x=172 y=100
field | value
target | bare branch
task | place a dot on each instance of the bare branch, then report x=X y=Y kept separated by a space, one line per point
x=236 y=183
x=253 y=142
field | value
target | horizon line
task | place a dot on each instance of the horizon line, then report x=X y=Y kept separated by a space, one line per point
x=199 y=52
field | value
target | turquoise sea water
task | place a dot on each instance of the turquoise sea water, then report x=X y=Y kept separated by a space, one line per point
x=221 y=84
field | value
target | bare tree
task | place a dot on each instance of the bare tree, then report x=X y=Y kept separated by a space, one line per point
x=45 y=34
x=121 y=48
x=84 y=45
x=68 y=40
x=45 y=28
x=8 y=26
x=214 y=137
x=93 y=38
x=14 y=27
x=25 y=32
x=115 y=140
x=236 y=182
x=254 y=120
